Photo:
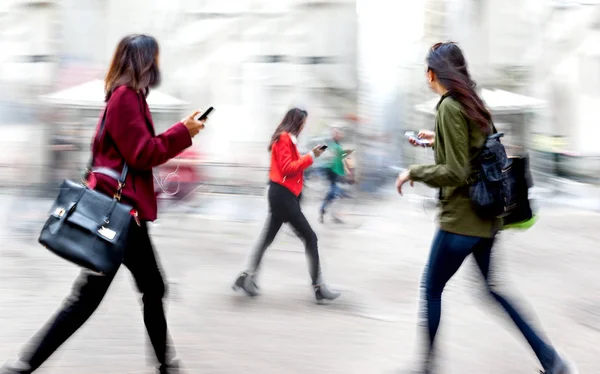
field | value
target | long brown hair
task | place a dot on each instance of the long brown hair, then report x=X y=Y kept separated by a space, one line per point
x=448 y=63
x=134 y=64
x=292 y=122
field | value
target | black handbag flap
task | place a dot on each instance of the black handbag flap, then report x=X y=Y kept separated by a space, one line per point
x=83 y=222
x=91 y=210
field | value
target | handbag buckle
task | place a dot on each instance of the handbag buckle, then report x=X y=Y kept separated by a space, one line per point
x=107 y=233
x=118 y=194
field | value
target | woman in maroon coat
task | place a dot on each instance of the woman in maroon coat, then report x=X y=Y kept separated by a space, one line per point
x=128 y=137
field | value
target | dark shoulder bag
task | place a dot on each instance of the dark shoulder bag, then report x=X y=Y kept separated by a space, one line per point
x=88 y=227
x=489 y=190
x=500 y=188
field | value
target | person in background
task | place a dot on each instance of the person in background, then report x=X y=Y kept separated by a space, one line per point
x=462 y=125
x=335 y=171
x=128 y=137
x=285 y=192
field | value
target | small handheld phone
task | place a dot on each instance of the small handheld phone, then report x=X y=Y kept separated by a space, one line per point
x=204 y=115
x=323 y=147
x=413 y=136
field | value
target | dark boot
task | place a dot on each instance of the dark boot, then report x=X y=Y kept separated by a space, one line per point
x=172 y=368
x=246 y=282
x=17 y=367
x=338 y=220
x=561 y=365
x=422 y=368
x=414 y=371
x=322 y=292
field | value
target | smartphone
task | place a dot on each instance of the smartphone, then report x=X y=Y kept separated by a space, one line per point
x=323 y=147
x=422 y=142
x=204 y=115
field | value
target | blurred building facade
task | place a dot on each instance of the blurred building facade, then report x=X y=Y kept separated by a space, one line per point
x=251 y=59
x=541 y=48
x=567 y=75
x=29 y=48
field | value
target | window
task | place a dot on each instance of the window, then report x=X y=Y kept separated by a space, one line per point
x=317 y=60
x=38 y=58
x=271 y=59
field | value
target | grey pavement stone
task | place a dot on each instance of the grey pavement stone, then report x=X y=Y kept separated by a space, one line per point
x=372 y=329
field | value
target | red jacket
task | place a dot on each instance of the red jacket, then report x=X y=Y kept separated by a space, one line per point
x=287 y=165
x=129 y=134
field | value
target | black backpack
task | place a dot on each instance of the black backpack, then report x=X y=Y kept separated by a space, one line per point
x=500 y=188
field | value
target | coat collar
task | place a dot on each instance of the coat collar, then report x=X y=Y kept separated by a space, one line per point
x=147 y=114
x=447 y=94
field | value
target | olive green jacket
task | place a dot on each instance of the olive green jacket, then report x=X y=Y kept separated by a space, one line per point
x=458 y=140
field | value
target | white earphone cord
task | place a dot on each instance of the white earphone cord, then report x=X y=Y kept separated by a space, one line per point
x=162 y=180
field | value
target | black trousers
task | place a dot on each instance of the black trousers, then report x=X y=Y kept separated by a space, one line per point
x=88 y=292
x=284 y=207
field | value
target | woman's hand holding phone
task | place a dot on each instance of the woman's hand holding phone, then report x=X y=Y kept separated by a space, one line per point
x=425 y=138
x=318 y=150
x=193 y=125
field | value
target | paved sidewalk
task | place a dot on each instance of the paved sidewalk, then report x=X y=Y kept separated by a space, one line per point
x=371 y=329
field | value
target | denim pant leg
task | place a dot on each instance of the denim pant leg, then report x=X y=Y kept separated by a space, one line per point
x=545 y=353
x=448 y=252
x=332 y=194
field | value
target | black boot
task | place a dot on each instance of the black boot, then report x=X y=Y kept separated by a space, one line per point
x=338 y=220
x=18 y=367
x=561 y=365
x=246 y=282
x=322 y=292
x=172 y=368
x=414 y=371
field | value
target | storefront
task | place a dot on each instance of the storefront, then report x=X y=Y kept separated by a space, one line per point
x=71 y=120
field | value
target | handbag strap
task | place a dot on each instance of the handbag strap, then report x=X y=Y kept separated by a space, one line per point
x=103 y=170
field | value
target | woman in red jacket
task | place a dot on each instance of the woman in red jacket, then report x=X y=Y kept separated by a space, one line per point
x=128 y=137
x=286 y=182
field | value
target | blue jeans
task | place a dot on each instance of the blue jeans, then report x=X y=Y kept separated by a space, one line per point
x=448 y=252
x=334 y=190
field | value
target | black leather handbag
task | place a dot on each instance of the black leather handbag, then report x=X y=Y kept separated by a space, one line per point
x=88 y=227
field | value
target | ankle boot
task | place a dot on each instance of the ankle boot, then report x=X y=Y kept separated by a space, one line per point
x=17 y=367
x=322 y=292
x=171 y=368
x=246 y=282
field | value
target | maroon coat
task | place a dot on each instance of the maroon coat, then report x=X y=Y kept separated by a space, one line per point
x=129 y=135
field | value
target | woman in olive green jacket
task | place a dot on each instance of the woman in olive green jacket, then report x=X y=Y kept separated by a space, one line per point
x=461 y=126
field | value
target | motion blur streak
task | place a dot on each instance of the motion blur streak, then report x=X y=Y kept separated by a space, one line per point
x=354 y=64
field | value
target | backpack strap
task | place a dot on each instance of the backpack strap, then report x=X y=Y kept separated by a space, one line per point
x=494 y=130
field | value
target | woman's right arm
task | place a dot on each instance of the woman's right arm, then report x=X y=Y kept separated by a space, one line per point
x=283 y=154
x=128 y=128
x=455 y=171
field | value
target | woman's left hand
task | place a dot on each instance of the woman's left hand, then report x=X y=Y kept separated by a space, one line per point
x=402 y=179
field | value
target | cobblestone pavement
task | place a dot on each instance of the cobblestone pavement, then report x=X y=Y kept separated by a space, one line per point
x=371 y=329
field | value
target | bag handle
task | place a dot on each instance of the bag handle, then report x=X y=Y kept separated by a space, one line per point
x=90 y=165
